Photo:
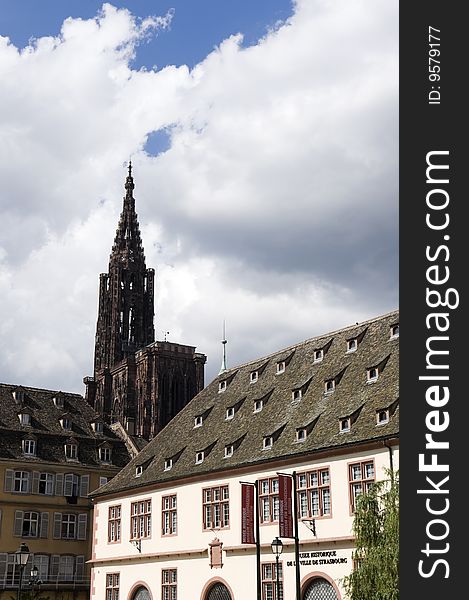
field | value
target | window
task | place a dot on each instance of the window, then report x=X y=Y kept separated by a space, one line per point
x=140 y=519
x=112 y=586
x=216 y=507
x=168 y=584
x=97 y=426
x=169 y=515
x=138 y=470
x=296 y=395
x=222 y=386
x=71 y=451
x=395 y=331
x=254 y=376
x=229 y=413
x=29 y=447
x=268 y=500
x=280 y=367
x=71 y=484
x=59 y=401
x=329 y=386
x=318 y=355
x=102 y=481
x=301 y=434
x=46 y=484
x=105 y=454
x=352 y=345
x=344 y=425
x=269 y=581
x=229 y=451
x=21 y=482
x=382 y=416
x=69 y=526
x=25 y=418
x=66 y=423
x=168 y=464
x=361 y=476
x=267 y=442
x=372 y=374
x=314 y=493
x=30 y=524
x=66 y=568
x=258 y=405
x=198 y=421
x=114 y=524
x=199 y=458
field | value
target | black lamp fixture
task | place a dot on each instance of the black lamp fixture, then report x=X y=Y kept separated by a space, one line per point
x=21 y=558
x=277 y=549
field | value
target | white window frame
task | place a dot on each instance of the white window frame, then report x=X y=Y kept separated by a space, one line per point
x=222 y=386
x=25 y=418
x=328 y=390
x=229 y=450
x=230 y=412
x=352 y=345
x=318 y=355
x=29 y=447
x=280 y=367
x=393 y=328
x=296 y=395
x=105 y=454
x=267 y=442
x=254 y=377
x=372 y=378
x=138 y=470
x=380 y=421
x=301 y=434
x=199 y=457
x=258 y=406
x=71 y=451
x=66 y=423
x=345 y=425
x=168 y=464
x=198 y=421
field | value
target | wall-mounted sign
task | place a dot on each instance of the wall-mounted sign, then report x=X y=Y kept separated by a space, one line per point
x=319 y=557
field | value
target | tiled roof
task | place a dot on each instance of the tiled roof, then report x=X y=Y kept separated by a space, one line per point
x=317 y=411
x=46 y=428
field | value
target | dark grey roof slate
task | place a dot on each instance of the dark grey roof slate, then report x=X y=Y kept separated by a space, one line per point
x=317 y=411
x=46 y=427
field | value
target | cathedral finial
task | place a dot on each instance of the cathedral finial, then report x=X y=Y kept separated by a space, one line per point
x=129 y=182
x=224 y=342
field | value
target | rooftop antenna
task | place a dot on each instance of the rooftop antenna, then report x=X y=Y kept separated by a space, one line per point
x=223 y=362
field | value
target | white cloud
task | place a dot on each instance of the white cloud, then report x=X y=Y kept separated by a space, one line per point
x=275 y=206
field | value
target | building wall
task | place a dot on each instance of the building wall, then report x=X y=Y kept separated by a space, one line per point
x=187 y=551
x=42 y=542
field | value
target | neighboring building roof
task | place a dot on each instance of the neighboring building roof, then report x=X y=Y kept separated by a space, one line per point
x=318 y=412
x=45 y=426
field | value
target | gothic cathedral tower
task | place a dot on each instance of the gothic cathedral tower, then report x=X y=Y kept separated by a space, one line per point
x=137 y=382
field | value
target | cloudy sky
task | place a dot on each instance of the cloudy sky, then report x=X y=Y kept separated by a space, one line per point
x=264 y=139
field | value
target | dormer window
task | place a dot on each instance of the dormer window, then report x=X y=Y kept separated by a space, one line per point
x=382 y=417
x=372 y=374
x=29 y=447
x=97 y=426
x=296 y=395
x=329 y=386
x=66 y=423
x=25 y=418
x=199 y=458
x=18 y=396
x=267 y=442
x=344 y=425
x=280 y=367
x=229 y=413
x=228 y=451
x=105 y=454
x=254 y=376
x=198 y=421
x=71 y=451
x=352 y=345
x=168 y=464
x=222 y=386
x=318 y=355
x=258 y=405
x=394 y=331
x=301 y=434
x=138 y=470
x=58 y=401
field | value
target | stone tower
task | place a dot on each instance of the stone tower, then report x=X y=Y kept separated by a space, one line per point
x=137 y=382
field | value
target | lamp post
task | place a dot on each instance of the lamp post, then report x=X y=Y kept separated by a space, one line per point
x=21 y=558
x=277 y=549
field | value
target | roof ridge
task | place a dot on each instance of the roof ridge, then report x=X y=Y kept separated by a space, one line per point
x=307 y=341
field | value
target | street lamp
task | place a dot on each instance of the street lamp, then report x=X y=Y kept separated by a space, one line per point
x=21 y=558
x=277 y=549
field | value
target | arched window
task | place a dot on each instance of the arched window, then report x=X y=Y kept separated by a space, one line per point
x=141 y=593
x=219 y=591
x=320 y=589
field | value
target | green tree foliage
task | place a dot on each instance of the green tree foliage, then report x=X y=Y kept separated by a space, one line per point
x=376 y=529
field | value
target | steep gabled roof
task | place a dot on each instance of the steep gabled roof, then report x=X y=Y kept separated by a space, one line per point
x=353 y=394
